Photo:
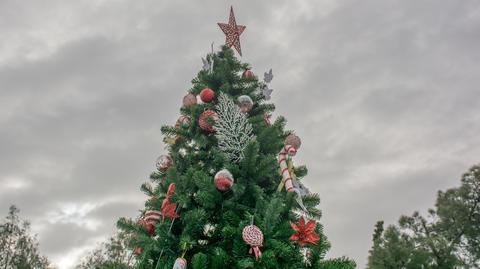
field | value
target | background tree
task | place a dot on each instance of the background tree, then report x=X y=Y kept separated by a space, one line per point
x=18 y=248
x=112 y=254
x=449 y=237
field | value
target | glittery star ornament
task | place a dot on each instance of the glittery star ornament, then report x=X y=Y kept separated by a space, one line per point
x=304 y=232
x=232 y=32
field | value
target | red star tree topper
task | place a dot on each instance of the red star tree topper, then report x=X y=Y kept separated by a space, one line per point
x=304 y=233
x=232 y=32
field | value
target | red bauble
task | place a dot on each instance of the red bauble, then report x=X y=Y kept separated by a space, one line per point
x=138 y=250
x=207 y=114
x=223 y=180
x=147 y=225
x=150 y=229
x=248 y=73
x=207 y=95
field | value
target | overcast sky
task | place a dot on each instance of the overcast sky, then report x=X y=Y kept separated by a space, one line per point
x=384 y=94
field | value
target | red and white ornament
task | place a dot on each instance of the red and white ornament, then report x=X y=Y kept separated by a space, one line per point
x=180 y=263
x=164 y=162
x=152 y=216
x=245 y=103
x=266 y=118
x=148 y=226
x=282 y=162
x=248 y=73
x=293 y=140
x=207 y=114
x=189 y=100
x=223 y=180
x=207 y=95
x=253 y=236
x=182 y=121
x=287 y=152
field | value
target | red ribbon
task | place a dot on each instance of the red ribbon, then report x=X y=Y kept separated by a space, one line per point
x=257 y=252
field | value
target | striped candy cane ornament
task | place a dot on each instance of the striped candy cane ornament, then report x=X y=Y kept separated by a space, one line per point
x=288 y=151
x=152 y=216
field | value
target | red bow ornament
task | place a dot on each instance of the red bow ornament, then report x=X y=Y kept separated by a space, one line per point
x=304 y=232
x=168 y=208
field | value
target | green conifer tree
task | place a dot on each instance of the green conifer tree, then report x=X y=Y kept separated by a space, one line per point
x=448 y=237
x=208 y=231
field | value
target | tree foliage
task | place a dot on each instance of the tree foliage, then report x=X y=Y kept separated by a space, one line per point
x=18 y=247
x=449 y=237
x=112 y=254
x=209 y=230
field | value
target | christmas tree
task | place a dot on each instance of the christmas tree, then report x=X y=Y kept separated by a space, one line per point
x=228 y=195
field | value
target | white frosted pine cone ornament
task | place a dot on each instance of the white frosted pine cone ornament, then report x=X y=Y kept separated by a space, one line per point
x=189 y=100
x=247 y=73
x=253 y=236
x=164 y=162
x=180 y=263
x=293 y=140
x=182 y=152
x=223 y=180
x=245 y=103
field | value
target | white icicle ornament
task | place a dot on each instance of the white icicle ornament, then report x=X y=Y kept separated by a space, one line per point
x=164 y=162
x=245 y=103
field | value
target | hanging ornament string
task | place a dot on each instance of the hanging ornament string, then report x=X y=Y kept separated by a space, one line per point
x=184 y=248
x=211 y=60
x=169 y=230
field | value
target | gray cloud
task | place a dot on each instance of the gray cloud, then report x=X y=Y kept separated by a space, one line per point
x=383 y=94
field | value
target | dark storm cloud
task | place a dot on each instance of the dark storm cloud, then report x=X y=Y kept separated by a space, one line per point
x=383 y=94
